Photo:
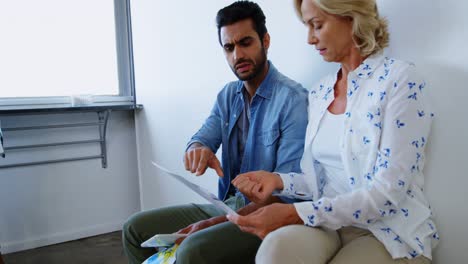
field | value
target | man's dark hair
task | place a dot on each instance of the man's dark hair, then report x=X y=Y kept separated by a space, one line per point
x=238 y=11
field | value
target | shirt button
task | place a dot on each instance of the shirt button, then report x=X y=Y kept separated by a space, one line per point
x=234 y=115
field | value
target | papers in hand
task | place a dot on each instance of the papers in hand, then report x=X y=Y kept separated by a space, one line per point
x=164 y=256
x=162 y=240
x=200 y=190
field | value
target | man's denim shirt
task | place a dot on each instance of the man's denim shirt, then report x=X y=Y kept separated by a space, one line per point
x=278 y=124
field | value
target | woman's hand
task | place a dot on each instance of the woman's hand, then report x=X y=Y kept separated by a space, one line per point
x=267 y=219
x=258 y=186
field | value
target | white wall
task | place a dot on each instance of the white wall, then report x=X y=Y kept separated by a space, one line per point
x=180 y=68
x=47 y=204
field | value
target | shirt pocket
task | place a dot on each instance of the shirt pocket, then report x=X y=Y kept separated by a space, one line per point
x=269 y=137
x=365 y=129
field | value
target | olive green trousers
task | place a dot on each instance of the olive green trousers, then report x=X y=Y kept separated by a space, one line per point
x=222 y=243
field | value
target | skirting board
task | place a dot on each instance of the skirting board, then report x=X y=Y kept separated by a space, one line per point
x=59 y=237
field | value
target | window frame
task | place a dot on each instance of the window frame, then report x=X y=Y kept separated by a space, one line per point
x=125 y=70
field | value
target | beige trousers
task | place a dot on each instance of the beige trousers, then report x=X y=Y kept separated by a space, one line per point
x=349 y=245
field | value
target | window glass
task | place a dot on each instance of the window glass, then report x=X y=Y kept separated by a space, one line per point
x=57 y=48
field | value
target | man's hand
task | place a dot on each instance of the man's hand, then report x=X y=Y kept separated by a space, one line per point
x=267 y=219
x=200 y=225
x=258 y=186
x=198 y=158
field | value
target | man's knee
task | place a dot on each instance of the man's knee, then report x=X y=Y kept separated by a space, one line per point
x=195 y=249
x=130 y=226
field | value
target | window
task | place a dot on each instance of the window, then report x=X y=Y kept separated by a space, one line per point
x=54 y=49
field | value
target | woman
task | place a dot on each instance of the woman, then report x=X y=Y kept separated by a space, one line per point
x=363 y=156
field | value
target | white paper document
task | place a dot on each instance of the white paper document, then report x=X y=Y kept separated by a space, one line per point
x=162 y=240
x=200 y=190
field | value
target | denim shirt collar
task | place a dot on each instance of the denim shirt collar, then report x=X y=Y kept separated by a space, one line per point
x=265 y=88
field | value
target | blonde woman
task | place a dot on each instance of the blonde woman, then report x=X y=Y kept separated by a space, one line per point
x=363 y=156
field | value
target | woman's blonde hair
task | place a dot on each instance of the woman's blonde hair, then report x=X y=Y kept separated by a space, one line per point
x=370 y=31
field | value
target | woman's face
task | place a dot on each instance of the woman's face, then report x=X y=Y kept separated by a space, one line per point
x=330 y=34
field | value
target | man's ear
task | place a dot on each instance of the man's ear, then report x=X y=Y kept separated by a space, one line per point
x=266 y=41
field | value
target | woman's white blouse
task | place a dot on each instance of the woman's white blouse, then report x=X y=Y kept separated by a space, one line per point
x=386 y=126
x=326 y=150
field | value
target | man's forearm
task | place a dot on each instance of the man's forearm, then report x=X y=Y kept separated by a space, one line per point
x=218 y=219
x=252 y=207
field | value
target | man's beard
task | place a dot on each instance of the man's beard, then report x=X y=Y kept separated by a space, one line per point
x=257 y=67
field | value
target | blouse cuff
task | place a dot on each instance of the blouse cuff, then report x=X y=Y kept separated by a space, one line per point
x=288 y=185
x=306 y=213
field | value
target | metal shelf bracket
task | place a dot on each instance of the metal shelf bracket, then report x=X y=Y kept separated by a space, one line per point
x=103 y=118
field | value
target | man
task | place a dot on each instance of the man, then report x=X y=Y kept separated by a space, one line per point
x=260 y=122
